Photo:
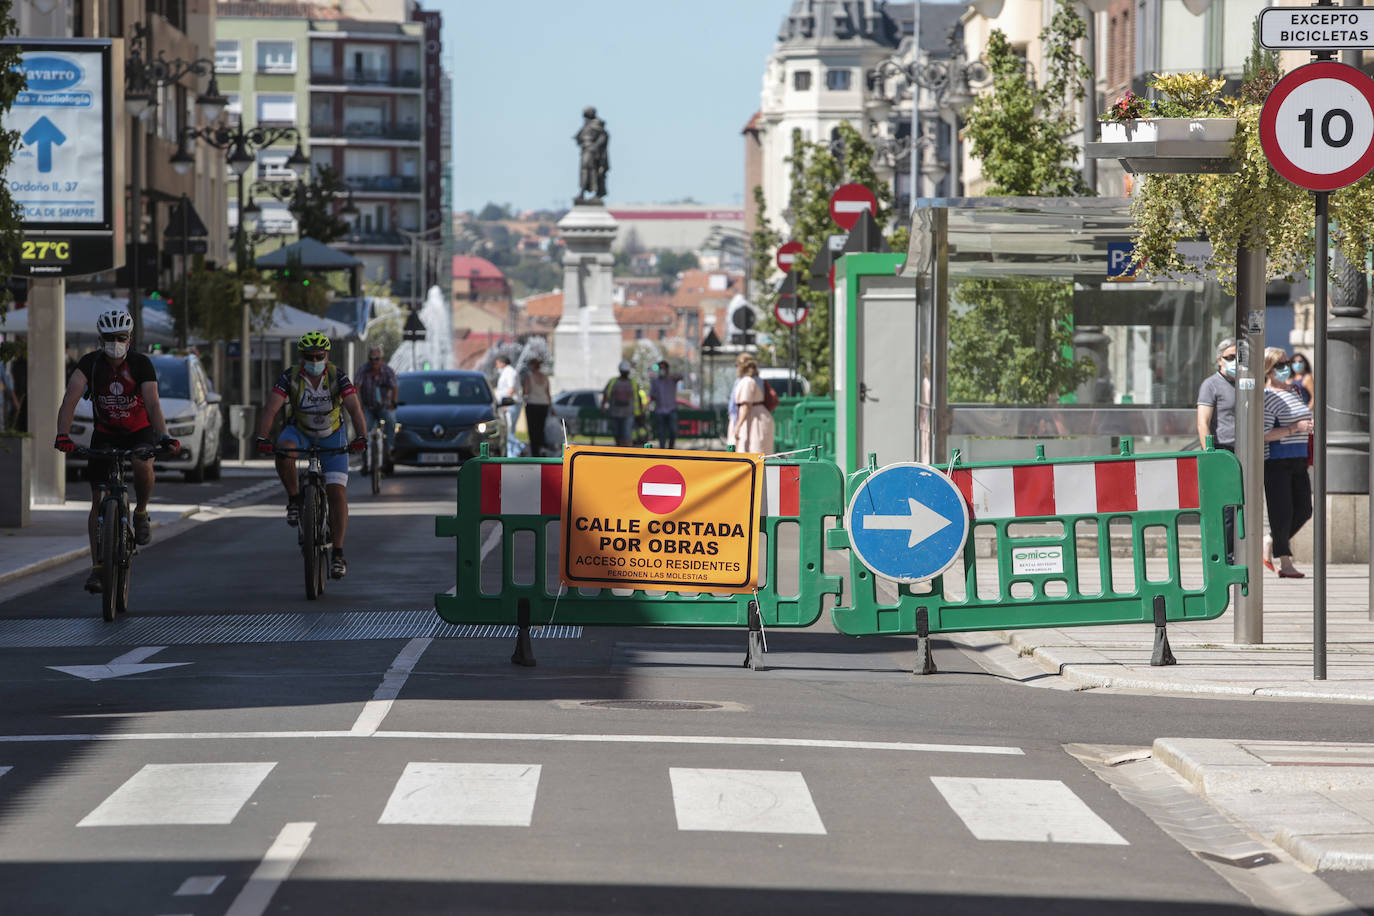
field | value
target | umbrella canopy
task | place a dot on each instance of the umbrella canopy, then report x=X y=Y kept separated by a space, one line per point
x=289 y=323
x=307 y=254
x=82 y=311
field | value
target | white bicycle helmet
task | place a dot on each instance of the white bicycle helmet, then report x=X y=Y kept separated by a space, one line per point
x=114 y=321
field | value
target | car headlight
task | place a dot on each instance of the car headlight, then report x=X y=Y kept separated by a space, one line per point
x=185 y=429
x=487 y=428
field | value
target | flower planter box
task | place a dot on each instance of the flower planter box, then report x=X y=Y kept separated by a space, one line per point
x=1149 y=130
x=14 y=481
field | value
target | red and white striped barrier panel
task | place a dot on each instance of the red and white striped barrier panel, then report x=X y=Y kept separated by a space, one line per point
x=515 y=488
x=1082 y=488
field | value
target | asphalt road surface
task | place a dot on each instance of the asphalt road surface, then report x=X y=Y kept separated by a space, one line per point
x=233 y=748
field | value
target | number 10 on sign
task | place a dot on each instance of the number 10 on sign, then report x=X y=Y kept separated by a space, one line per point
x=1317 y=126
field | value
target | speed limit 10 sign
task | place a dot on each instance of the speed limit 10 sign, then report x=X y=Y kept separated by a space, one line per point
x=1317 y=126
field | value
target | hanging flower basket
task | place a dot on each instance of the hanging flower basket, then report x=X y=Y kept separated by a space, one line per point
x=1150 y=130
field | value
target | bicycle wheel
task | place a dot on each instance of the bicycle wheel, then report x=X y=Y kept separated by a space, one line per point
x=322 y=538
x=124 y=573
x=107 y=547
x=310 y=508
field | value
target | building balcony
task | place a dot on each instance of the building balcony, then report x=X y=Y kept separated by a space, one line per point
x=372 y=238
x=351 y=76
x=366 y=130
x=377 y=184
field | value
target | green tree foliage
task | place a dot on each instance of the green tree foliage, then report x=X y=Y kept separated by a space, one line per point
x=214 y=308
x=302 y=289
x=313 y=206
x=1019 y=131
x=492 y=212
x=817 y=170
x=12 y=80
x=1006 y=340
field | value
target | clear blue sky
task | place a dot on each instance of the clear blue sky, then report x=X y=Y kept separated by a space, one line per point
x=674 y=80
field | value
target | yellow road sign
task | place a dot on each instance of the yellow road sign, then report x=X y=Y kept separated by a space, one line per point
x=661 y=519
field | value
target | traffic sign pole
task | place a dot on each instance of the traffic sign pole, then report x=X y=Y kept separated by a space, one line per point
x=1317 y=131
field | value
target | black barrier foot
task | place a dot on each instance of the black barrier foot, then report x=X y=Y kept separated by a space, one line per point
x=753 y=656
x=524 y=652
x=1162 y=654
x=925 y=661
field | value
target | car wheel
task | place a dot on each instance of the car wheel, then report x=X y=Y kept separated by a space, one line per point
x=197 y=473
x=213 y=469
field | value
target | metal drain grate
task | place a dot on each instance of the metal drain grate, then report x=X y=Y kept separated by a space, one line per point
x=655 y=705
x=221 y=629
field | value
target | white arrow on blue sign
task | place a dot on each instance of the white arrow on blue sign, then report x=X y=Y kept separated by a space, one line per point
x=907 y=522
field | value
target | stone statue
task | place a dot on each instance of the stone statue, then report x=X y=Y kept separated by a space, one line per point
x=596 y=161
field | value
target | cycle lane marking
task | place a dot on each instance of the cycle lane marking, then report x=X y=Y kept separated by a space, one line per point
x=376 y=709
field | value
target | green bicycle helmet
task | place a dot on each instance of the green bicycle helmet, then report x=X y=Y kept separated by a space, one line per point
x=313 y=340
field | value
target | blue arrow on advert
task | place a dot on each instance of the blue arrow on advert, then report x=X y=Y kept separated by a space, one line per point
x=44 y=133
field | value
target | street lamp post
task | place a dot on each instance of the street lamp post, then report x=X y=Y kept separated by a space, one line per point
x=144 y=75
x=239 y=144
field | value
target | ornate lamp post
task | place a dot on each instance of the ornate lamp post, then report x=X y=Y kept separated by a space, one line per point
x=144 y=75
x=240 y=144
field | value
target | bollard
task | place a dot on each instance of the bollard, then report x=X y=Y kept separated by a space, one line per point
x=925 y=663
x=524 y=652
x=753 y=655
x=1162 y=654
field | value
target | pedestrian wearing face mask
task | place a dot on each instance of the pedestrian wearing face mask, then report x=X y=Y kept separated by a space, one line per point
x=122 y=386
x=1301 y=380
x=1216 y=417
x=316 y=395
x=1287 y=488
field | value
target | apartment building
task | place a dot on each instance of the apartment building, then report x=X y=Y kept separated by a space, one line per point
x=364 y=85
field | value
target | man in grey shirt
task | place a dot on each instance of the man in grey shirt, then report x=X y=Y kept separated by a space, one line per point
x=1216 y=417
x=1216 y=400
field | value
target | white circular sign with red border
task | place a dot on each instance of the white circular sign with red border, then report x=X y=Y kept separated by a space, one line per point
x=789 y=311
x=1317 y=126
x=662 y=489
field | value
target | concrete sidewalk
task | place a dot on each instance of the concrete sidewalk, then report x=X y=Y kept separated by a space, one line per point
x=1209 y=660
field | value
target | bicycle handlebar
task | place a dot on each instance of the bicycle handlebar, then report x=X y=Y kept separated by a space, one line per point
x=314 y=449
x=140 y=451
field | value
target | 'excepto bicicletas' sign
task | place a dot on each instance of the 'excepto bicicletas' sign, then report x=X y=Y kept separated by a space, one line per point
x=1316 y=28
x=660 y=519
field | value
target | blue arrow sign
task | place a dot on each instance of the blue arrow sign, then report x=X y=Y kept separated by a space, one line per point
x=45 y=134
x=907 y=522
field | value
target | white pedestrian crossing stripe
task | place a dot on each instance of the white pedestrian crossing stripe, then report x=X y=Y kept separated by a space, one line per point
x=1024 y=810
x=457 y=794
x=180 y=793
x=743 y=801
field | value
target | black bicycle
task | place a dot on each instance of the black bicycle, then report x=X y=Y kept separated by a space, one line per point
x=313 y=532
x=114 y=527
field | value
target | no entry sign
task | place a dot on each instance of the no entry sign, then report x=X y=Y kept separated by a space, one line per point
x=1317 y=126
x=848 y=201
x=788 y=253
x=661 y=489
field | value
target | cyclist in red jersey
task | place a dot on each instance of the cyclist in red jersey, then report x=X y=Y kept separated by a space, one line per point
x=122 y=387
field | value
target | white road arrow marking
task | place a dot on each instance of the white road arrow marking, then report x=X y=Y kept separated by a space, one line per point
x=922 y=523
x=128 y=663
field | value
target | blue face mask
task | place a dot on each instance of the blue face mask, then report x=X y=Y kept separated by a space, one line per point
x=1228 y=366
x=1283 y=374
x=1299 y=366
x=314 y=367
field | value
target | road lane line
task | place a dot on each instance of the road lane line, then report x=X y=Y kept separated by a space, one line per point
x=743 y=801
x=1024 y=810
x=464 y=794
x=273 y=870
x=723 y=740
x=180 y=793
x=376 y=709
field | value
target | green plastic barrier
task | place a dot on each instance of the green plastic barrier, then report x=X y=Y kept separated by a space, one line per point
x=692 y=424
x=813 y=423
x=784 y=438
x=1054 y=568
x=492 y=583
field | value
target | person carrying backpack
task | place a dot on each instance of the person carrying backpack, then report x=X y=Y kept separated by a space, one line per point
x=621 y=400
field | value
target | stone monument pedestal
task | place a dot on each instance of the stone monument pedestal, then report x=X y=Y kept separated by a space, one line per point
x=587 y=342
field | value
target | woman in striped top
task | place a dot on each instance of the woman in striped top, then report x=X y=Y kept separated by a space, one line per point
x=1287 y=489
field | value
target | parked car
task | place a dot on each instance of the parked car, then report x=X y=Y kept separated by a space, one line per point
x=442 y=418
x=566 y=404
x=192 y=410
x=783 y=383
